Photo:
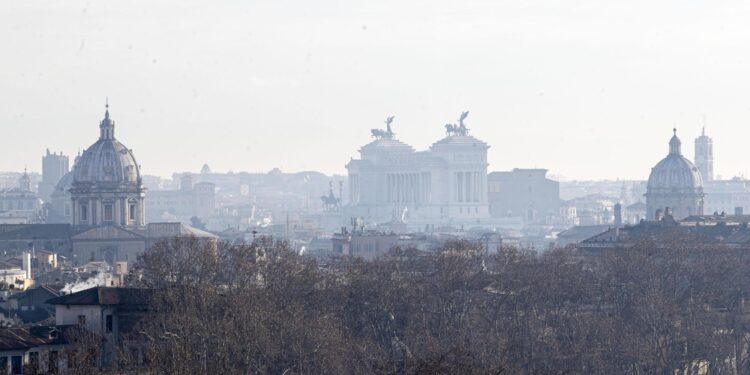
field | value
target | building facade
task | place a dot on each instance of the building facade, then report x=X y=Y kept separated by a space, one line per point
x=676 y=184
x=446 y=184
x=526 y=193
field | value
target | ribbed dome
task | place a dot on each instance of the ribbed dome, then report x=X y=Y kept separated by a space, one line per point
x=107 y=160
x=675 y=173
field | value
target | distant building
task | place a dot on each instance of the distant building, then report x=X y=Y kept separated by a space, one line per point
x=727 y=196
x=634 y=213
x=20 y=237
x=54 y=167
x=704 y=156
x=190 y=200
x=16 y=276
x=578 y=234
x=114 y=244
x=104 y=199
x=244 y=200
x=675 y=183
x=446 y=184
x=20 y=205
x=526 y=193
x=731 y=231
x=60 y=204
x=593 y=209
x=364 y=244
x=568 y=215
x=107 y=187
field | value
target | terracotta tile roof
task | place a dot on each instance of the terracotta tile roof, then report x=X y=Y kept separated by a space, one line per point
x=15 y=338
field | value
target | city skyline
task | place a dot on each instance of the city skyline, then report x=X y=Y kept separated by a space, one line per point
x=197 y=168
x=337 y=187
x=585 y=90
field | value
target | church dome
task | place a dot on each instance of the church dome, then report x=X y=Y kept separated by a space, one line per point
x=675 y=173
x=107 y=160
x=65 y=183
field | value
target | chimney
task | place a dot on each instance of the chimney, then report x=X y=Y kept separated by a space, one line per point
x=738 y=211
x=618 y=215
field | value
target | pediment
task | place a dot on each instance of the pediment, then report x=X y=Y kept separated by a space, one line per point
x=107 y=233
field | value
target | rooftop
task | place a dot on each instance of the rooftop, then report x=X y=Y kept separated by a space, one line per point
x=34 y=231
x=105 y=296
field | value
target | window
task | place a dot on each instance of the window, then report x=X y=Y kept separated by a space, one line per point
x=3 y=365
x=82 y=320
x=109 y=212
x=16 y=365
x=108 y=325
x=131 y=211
x=84 y=212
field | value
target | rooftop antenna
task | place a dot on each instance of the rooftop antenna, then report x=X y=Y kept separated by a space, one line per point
x=703 y=132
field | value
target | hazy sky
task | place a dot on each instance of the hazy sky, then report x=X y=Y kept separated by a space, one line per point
x=586 y=89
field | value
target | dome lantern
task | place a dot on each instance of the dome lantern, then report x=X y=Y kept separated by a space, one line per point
x=107 y=126
x=675 y=145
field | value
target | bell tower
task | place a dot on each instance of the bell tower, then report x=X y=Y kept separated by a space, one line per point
x=704 y=156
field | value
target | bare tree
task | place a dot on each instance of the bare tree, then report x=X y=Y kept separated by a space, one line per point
x=671 y=305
